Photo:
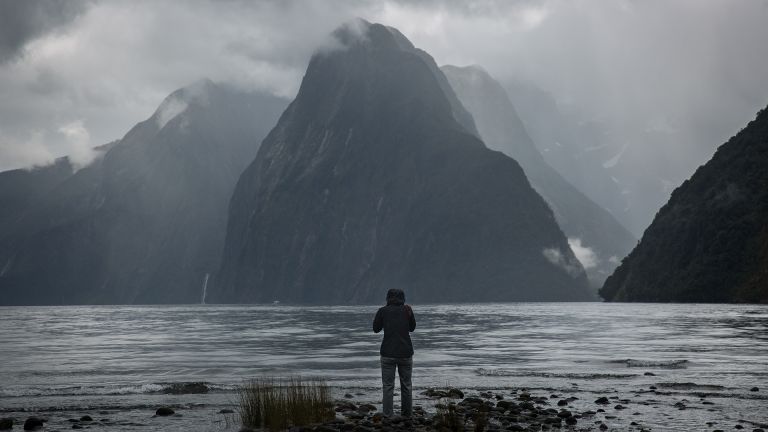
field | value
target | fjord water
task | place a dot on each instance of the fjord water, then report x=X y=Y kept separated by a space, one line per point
x=124 y=361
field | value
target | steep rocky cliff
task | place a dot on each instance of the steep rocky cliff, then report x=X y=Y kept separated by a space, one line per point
x=369 y=182
x=598 y=239
x=709 y=243
x=145 y=222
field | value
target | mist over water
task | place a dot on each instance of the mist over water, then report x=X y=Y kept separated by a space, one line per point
x=130 y=359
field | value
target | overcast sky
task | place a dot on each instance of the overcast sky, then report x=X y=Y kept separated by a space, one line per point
x=75 y=74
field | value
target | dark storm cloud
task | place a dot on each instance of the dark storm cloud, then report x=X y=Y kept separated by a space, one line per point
x=24 y=20
x=82 y=73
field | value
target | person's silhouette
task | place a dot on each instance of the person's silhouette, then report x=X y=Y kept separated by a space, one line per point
x=397 y=321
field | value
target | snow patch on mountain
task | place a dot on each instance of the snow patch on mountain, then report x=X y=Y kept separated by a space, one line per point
x=610 y=163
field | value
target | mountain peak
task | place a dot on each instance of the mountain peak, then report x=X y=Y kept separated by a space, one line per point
x=370 y=180
x=372 y=45
x=364 y=34
x=197 y=93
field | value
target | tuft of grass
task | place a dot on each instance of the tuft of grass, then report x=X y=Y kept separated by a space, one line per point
x=448 y=418
x=481 y=422
x=280 y=403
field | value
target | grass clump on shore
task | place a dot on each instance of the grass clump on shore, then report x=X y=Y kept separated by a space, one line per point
x=279 y=403
x=447 y=418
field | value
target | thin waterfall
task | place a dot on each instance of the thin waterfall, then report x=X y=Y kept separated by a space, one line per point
x=205 y=287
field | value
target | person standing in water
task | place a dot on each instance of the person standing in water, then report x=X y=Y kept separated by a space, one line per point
x=397 y=321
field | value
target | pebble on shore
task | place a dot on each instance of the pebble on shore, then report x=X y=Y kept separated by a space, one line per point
x=6 y=424
x=33 y=423
x=164 y=411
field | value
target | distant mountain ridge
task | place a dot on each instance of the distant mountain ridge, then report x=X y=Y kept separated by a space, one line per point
x=145 y=222
x=709 y=243
x=370 y=180
x=590 y=228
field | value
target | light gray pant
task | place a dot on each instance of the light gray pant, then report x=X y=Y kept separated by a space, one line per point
x=404 y=367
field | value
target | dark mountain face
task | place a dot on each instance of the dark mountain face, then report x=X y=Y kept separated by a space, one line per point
x=593 y=231
x=709 y=243
x=368 y=182
x=146 y=222
x=20 y=188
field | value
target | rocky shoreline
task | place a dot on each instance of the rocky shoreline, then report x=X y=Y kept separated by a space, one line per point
x=660 y=407
x=513 y=410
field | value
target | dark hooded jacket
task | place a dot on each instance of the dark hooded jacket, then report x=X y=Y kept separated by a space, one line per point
x=397 y=321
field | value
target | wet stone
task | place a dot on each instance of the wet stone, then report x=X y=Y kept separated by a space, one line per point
x=369 y=408
x=33 y=423
x=345 y=406
x=164 y=411
x=506 y=405
x=6 y=424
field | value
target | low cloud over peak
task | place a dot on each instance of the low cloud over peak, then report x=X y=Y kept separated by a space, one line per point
x=689 y=65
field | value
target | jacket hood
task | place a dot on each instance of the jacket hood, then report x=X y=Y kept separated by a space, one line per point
x=395 y=297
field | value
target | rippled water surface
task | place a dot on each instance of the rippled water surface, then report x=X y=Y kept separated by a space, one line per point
x=123 y=360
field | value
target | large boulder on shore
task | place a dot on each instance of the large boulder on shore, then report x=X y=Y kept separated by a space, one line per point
x=33 y=423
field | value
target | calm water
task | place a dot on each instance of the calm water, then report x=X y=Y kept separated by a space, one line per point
x=119 y=362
